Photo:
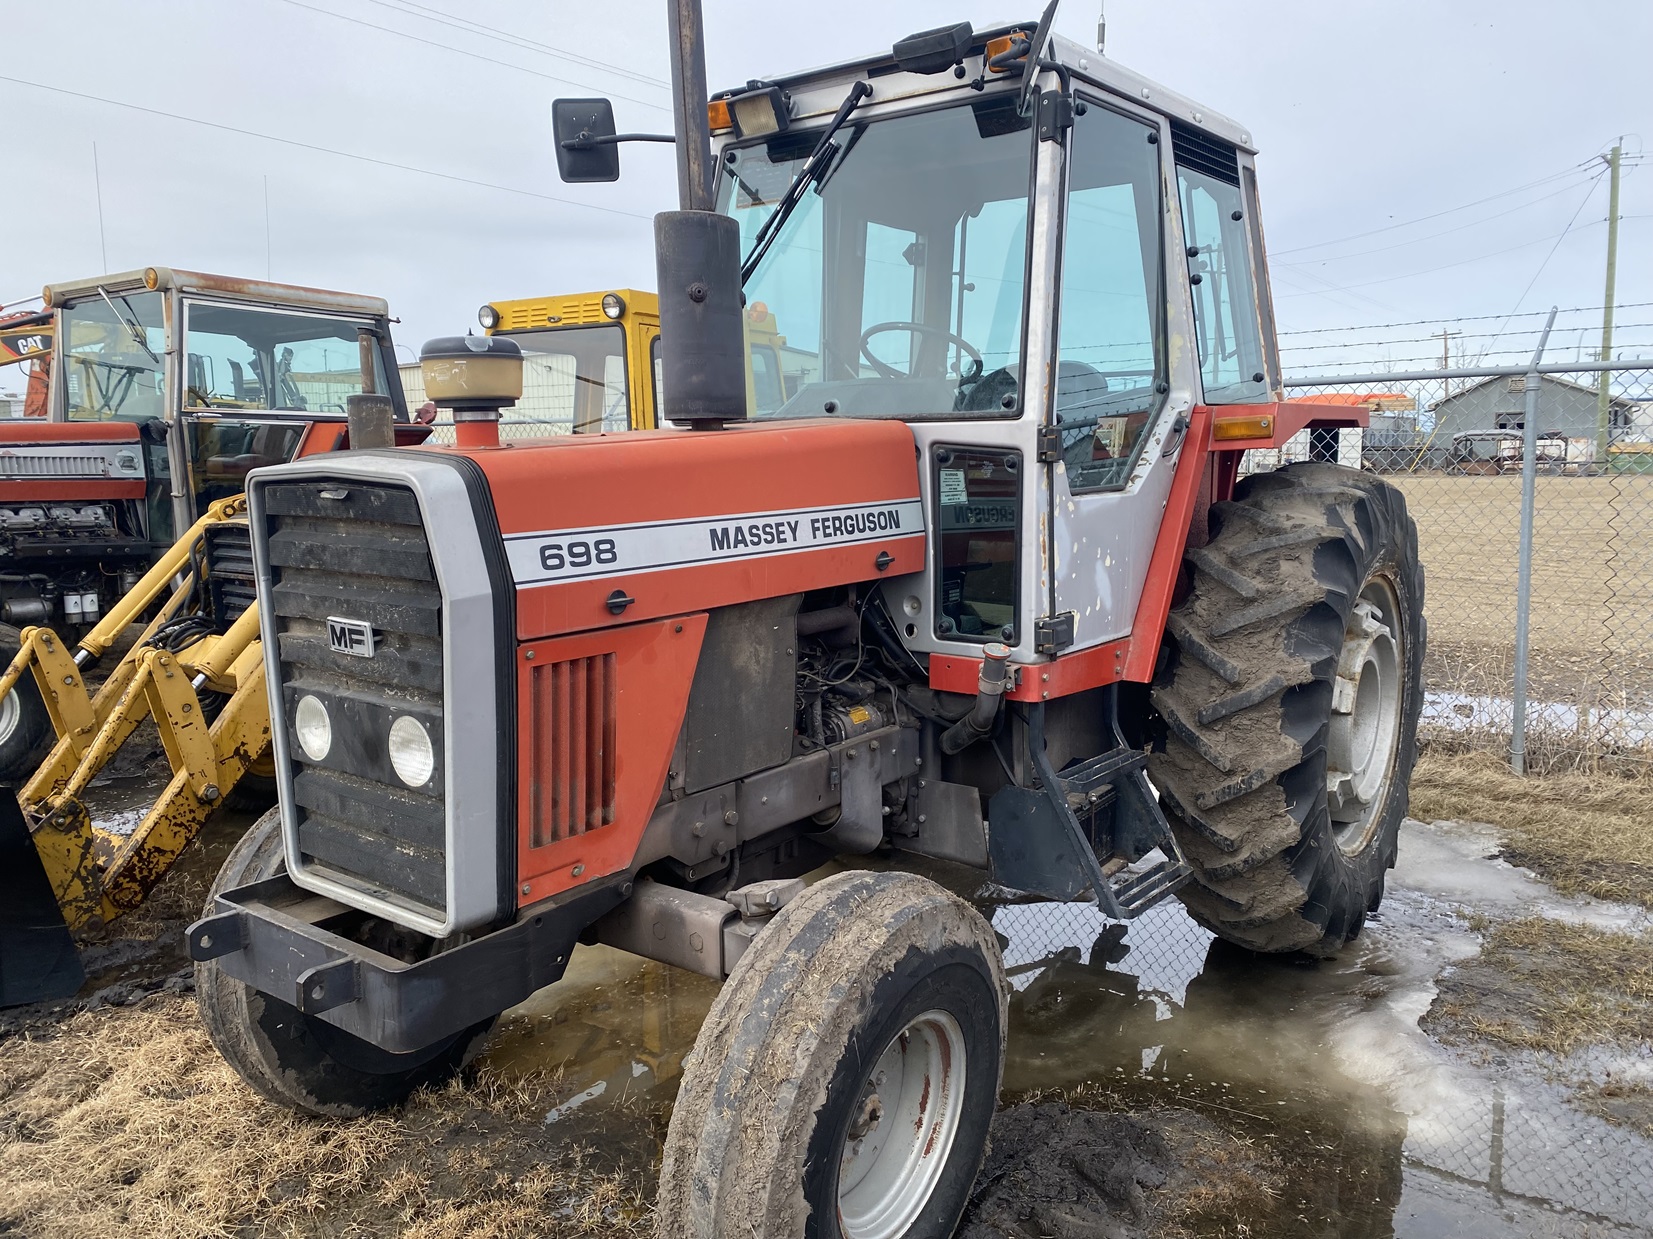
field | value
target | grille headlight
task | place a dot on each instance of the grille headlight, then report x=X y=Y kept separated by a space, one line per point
x=313 y=728
x=411 y=755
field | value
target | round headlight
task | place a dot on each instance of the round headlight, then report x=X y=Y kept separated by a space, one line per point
x=488 y=317
x=313 y=728
x=411 y=755
x=613 y=305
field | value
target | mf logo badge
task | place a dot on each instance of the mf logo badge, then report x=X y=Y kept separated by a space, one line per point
x=348 y=636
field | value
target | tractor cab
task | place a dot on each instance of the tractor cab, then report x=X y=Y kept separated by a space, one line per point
x=152 y=394
x=218 y=376
x=1043 y=272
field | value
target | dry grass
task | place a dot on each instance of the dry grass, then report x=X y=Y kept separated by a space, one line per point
x=1546 y=985
x=1585 y=834
x=1592 y=569
x=128 y=1122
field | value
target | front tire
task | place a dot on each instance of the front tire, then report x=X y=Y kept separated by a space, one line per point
x=297 y=1060
x=24 y=722
x=844 y=1081
x=1290 y=706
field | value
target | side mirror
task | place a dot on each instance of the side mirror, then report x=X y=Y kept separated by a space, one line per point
x=584 y=132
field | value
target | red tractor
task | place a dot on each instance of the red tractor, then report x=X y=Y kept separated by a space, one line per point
x=983 y=590
x=164 y=389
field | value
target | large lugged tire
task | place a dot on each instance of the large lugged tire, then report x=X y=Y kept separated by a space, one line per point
x=24 y=723
x=296 y=1060
x=1290 y=706
x=844 y=1081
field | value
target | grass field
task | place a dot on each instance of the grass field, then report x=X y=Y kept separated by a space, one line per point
x=1592 y=586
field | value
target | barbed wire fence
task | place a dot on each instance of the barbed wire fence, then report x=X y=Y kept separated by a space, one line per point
x=1453 y=441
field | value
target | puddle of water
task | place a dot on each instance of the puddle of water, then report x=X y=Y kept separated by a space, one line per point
x=1381 y=1131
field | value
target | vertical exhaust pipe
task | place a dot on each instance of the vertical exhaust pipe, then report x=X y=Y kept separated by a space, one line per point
x=697 y=257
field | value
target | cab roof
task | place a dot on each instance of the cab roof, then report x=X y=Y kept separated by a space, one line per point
x=817 y=92
x=262 y=292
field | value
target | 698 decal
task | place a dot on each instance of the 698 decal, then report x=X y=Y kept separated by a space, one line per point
x=555 y=556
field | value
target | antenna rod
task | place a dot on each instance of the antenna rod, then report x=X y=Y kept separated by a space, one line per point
x=1102 y=27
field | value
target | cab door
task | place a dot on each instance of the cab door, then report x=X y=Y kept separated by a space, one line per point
x=1124 y=379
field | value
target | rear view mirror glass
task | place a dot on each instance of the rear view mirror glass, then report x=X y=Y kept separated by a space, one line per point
x=583 y=130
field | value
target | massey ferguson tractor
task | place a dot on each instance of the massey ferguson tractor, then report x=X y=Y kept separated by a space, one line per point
x=984 y=595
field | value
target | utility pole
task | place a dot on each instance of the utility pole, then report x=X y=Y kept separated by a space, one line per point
x=1604 y=399
x=1446 y=357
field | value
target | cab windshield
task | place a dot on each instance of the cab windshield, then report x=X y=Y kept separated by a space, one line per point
x=897 y=283
x=112 y=358
x=240 y=358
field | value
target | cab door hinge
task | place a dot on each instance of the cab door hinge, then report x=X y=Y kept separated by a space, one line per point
x=1055 y=115
x=1053 y=633
x=1050 y=444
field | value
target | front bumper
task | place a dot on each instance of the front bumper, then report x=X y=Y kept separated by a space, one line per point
x=275 y=937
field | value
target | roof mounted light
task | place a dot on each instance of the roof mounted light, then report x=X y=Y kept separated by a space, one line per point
x=488 y=317
x=760 y=113
x=934 y=51
x=151 y=278
x=614 y=305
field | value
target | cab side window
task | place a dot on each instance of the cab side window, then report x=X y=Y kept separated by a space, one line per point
x=1216 y=230
x=1111 y=341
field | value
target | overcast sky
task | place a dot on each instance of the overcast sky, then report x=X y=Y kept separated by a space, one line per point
x=1377 y=124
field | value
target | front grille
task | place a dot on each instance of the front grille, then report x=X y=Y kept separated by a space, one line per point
x=571 y=738
x=357 y=551
x=53 y=466
x=232 y=584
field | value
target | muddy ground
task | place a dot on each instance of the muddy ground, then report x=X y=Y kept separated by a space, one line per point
x=1480 y=1062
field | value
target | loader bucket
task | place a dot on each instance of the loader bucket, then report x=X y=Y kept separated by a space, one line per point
x=38 y=958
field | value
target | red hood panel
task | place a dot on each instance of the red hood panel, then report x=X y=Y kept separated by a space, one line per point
x=680 y=521
x=38 y=434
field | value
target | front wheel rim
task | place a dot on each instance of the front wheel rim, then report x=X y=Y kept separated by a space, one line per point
x=11 y=713
x=1367 y=698
x=901 y=1132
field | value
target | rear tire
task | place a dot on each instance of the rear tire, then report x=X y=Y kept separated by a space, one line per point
x=844 y=1081
x=297 y=1060
x=24 y=723
x=1290 y=706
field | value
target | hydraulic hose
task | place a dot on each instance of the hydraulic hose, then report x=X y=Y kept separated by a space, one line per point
x=995 y=675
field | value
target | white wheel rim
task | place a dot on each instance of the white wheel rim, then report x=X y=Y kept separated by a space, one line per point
x=902 y=1130
x=11 y=712
x=1366 y=711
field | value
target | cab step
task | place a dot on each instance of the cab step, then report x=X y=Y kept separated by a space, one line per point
x=1084 y=828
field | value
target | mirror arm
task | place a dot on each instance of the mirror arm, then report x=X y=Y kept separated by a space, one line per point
x=586 y=141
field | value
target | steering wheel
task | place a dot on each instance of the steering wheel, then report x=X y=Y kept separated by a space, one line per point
x=887 y=371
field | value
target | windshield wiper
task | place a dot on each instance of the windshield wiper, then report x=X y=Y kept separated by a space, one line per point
x=818 y=160
x=131 y=324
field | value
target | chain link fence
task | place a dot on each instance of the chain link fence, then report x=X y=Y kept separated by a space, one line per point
x=1452 y=441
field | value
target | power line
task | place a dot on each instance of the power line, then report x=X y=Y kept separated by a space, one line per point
x=326 y=150
x=1466 y=318
x=1588 y=194
x=1545 y=180
x=1447 y=266
x=1462 y=335
x=512 y=39
x=460 y=51
x=1476 y=223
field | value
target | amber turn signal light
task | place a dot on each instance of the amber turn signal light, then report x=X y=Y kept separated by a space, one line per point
x=1243 y=428
x=999 y=57
x=717 y=116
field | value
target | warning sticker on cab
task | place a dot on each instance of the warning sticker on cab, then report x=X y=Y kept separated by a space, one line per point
x=652 y=546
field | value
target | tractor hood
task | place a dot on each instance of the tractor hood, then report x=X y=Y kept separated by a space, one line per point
x=612 y=529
